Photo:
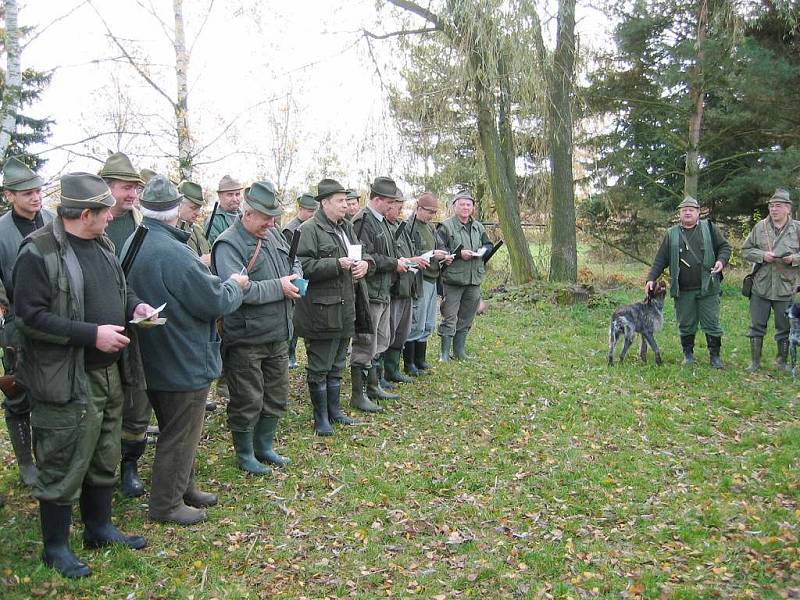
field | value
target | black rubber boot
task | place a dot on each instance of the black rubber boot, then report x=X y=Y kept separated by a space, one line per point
x=460 y=345
x=444 y=355
x=687 y=343
x=132 y=451
x=19 y=430
x=359 y=398
x=374 y=389
x=333 y=388
x=409 y=359
x=391 y=363
x=782 y=356
x=382 y=380
x=55 y=519
x=714 y=347
x=319 y=401
x=99 y=531
x=420 y=355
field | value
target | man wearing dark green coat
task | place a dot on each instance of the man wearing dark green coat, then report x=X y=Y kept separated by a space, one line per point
x=23 y=191
x=256 y=336
x=695 y=252
x=73 y=303
x=327 y=316
x=229 y=193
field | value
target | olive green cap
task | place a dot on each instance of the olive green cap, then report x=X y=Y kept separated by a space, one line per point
x=689 y=202
x=261 y=197
x=353 y=194
x=84 y=190
x=229 y=184
x=385 y=187
x=119 y=166
x=328 y=187
x=17 y=177
x=160 y=194
x=307 y=201
x=192 y=191
x=781 y=195
x=146 y=175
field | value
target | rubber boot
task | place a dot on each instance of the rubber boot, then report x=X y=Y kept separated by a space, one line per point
x=319 y=402
x=687 y=343
x=756 y=345
x=333 y=389
x=783 y=354
x=409 y=360
x=132 y=451
x=98 y=530
x=293 y=353
x=19 y=430
x=444 y=355
x=420 y=355
x=263 y=439
x=245 y=458
x=182 y=515
x=383 y=382
x=459 y=345
x=374 y=389
x=196 y=498
x=714 y=346
x=391 y=363
x=55 y=519
x=359 y=398
x=211 y=406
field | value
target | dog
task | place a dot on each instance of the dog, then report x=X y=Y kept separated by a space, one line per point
x=793 y=312
x=645 y=318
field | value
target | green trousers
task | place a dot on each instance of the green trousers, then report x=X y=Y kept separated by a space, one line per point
x=258 y=380
x=78 y=442
x=691 y=308
x=760 y=308
x=459 y=306
x=136 y=413
x=326 y=359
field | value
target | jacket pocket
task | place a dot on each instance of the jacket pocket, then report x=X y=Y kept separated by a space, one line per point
x=56 y=429
x=326 y=313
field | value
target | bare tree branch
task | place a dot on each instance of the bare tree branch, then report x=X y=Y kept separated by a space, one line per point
x=384 y=36
x=51 y=23
x=202 y=26
x=419 y=11
x=89 y=139
x=152 y=12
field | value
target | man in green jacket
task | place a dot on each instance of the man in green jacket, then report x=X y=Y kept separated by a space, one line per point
x=353 y=204
x=190 y=206
x=463 y=274
x=229 y=193
x=73 y=304
x=773 y=247
x=256 y=336
x=22 y=189
x=328 y=316
x=695 y=252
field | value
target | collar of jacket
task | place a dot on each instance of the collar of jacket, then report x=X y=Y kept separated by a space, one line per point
x=325 y=223
x=154 y=226
x=60 y=235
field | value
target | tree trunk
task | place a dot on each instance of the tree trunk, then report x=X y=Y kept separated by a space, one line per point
x=13 y=82
x=697 y=98
x=563 y=241
x=182 y=129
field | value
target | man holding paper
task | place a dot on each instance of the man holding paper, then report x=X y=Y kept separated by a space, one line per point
x=461 y=280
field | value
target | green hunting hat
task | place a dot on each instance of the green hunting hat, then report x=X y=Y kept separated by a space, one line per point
x=160 y=194
x=261 y=197
x=17 y=177
x=229 y=184
x=84 y=190
x=463 y=194
x=146 y=175
x=329 y=187
x=385 y=187
x=119 y=166
x=192 y=191
x=352 y=194
x=689 y=202
x=307 y=201
x=781 y=195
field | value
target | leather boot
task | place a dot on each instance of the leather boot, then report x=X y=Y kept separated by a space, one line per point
x=19 y=430
x=196 y=498
x=359 y=397
x=182 y=515
x=714 y=346
x=444 y=355
x=263 y=440
x=409 y=360
x=391 y=363
x=756 y=345
x=459 y=345
x=55 y=519
x=319 y=402
x=293 y=353
x=245 y=458
x=687 y=343
x=98 y=530
x=333 y=389
x=420 y=355
x=374 y=389
x=132 y=451
x=783 y=355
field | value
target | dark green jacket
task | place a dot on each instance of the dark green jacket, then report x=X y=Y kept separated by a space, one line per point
x=222 y=220
x=197 y=238
x=50 y=368
x=10 y=241
x=379 y=244
x=424 y=238
x=452 y=233
x=403 y=284
x=333 y=306
x=265 y=314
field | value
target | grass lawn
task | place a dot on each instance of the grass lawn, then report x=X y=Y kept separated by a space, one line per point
x=536 y=471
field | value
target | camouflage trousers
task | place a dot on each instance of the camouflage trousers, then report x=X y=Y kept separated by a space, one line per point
x=78 y=442
x=258 y=380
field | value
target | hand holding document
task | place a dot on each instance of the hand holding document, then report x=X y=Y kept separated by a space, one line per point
x=149 y=320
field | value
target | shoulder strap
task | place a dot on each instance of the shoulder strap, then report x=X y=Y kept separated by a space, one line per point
x=256 y=252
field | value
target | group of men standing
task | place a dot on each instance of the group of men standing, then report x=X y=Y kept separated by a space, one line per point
x=95 y=360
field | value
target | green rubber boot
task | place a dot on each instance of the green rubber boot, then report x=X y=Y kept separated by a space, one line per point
x=263 y=438
x=391 y=364
x=444 y=355
x=459 y=346
x=245 y=458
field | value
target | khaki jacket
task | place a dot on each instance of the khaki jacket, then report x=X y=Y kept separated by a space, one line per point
x=776 y=280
